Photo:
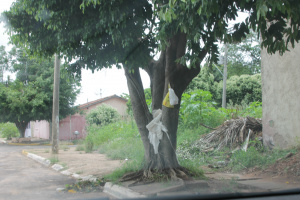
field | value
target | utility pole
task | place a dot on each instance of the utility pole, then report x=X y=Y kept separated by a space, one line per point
x=224 y=78
x=55 y=113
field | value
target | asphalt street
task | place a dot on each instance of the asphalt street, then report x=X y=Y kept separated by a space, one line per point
x=23 y=178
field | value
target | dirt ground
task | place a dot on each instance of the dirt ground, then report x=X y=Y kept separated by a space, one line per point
x=80 y=162
x=285 y=170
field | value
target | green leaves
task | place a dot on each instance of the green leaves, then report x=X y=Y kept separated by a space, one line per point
x=95 y=33
x=239 y=89
x=262 y=10
x=102 y=115
x=29 y=97
x=8 y=130
x=198 y=108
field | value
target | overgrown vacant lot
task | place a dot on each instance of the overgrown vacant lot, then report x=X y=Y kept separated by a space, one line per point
x=121 y=141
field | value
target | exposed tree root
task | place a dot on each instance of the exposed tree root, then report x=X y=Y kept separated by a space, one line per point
x=149 y=176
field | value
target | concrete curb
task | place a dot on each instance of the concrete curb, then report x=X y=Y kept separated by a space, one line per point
x=120 y=192
x=28 y=144
x=109 y=188
x=39 y=159
x=58 y=167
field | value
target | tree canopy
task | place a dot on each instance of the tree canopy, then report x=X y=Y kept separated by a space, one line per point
x=101 y=33
x=244 y=57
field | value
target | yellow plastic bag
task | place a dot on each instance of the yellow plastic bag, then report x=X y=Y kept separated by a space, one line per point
x=170 y=99
x=166 y=101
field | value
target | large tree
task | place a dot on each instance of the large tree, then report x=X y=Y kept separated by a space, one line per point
x=128 y=32
x=30 y=96
x=4 y=65
x=244 y=57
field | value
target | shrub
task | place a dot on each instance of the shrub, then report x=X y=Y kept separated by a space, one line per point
x=9 y=130
x=254 y=109
x=98 y=135
x=197 y=108
x=245 y=88
x=102 y=115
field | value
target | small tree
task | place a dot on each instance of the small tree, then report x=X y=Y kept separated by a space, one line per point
x=102 y=115
x=8 y=130
x=29 y=97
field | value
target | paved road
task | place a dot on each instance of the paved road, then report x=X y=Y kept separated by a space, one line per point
x=23 y=178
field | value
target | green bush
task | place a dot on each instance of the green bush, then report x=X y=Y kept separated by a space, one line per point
x=102 y=115
x=245 y=88
x=254 y=109
x=198 y=108
x=9 y=130
x=98 y=135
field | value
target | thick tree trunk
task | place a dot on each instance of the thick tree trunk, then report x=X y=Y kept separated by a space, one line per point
x=166 y=71
x=21 y=127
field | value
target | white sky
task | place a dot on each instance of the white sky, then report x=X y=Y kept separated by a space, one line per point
x=109 y=81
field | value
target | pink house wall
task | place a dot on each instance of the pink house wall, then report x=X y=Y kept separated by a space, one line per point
x=40 y=129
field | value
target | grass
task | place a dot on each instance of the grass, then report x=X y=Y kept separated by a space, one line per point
x=53 y=160
x=126 y=148
x=193 y=166
x=99 y=135
x=77 y=142
x=254 y=157
x=121 y=140
x=64 y=147
x=129 y=166
x=80 y=147
x=64 y=166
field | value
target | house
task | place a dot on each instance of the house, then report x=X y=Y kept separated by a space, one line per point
x=76 y=122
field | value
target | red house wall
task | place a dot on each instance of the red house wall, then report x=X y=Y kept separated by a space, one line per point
x=76 y=123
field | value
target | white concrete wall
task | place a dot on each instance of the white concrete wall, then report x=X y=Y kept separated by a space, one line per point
x=281 y=98
x=41 y=129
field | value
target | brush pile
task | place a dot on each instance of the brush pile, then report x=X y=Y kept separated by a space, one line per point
x=231 y=134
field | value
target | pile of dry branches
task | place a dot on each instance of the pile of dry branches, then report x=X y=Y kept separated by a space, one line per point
x=233 y=133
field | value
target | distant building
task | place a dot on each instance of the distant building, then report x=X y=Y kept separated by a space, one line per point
x=76 y=122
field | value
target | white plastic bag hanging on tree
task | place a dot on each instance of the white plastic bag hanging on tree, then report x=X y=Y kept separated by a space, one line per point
x=156 y=129
x=173 y=97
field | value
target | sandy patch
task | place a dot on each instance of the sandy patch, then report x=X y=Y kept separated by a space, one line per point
x=80 y=162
